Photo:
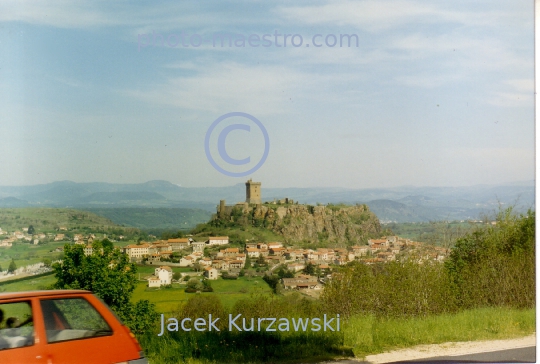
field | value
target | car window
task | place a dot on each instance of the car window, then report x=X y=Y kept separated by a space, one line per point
x=72 y=319
x=16 y=325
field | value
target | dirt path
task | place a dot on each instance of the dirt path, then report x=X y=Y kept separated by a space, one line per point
x=450 y=349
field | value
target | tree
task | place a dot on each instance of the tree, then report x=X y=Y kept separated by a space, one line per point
x=12 y=266
x=108 y=273
x=106 y=243
x=46 y=262
x=248 y=262
x=273 y=281
x=31 y=230
x=260 y=260
x=309 y=269
x=207 y=286
x=194 y=285
x=176 y=276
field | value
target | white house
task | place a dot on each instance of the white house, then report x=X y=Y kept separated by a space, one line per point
x=198 y=246
x=164 y=274
x=154 y=282
x=187 y=261
x=217 y=240
x=211 y=273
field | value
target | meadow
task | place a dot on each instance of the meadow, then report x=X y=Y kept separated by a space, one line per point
x=29 y=284
x=229 y=292
x=27 y=254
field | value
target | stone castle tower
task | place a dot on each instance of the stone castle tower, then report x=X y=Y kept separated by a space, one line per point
x=253 y=192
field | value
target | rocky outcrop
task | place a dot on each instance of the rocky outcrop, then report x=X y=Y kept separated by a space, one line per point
x=297 y=223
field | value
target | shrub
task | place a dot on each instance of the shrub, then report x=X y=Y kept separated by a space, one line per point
x=392 y=289
x=495 y=266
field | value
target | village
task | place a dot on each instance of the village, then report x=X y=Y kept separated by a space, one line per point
x=216 y=256
x=231 y=260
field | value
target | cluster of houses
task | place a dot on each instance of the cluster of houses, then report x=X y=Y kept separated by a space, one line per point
x=21 y=235
x=387 y=248
x=231 y=259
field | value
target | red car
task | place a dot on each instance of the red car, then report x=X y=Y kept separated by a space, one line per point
x=63 y=327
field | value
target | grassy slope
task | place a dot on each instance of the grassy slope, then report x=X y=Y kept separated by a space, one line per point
x=47 y=219
x=367 y=335
x=155 y=218
x=26 y=254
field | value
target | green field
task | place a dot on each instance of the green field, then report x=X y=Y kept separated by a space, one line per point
x=228 y=291
x=166 y=299
x=31 y=284
x=26 y=254
x=150 y=269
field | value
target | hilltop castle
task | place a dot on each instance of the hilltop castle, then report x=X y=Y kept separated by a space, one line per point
x=253 y=192
x=253 y=197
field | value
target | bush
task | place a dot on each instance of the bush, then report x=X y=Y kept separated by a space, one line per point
x=392 y=289
x=201 y=306
x=495 y=266
x=227 y=275
x=491 y=267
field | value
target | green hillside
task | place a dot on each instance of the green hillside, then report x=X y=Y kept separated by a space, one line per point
x=155 y=218
x=51 y=219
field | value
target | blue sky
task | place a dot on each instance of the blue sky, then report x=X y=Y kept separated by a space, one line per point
x=437 y=93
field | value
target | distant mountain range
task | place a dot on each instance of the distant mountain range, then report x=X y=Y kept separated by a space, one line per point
x=398 y=204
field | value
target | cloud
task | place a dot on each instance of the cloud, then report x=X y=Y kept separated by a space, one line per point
x=512 y=99
x=515 y=93
x=228 y=86
x=381 y=15
x=525 y=85
x=101 y=13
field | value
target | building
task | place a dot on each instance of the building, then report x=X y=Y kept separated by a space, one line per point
x=153 y=282
x=296 y=267
x=217 y=240
x=164 y=274
x=211 y=273
x=198 y=246
x=230 y=252
x=253 y=252
x=88 y=250
x=179 y=244
x=59 y=237
x=137 y=252
x=360 y=250
x=253 y=192
x=300 y=282
x=238 y=264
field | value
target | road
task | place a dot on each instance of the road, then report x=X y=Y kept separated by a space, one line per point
x=518 y=355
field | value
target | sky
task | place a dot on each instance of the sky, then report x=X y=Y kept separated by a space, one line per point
x=427 y=93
